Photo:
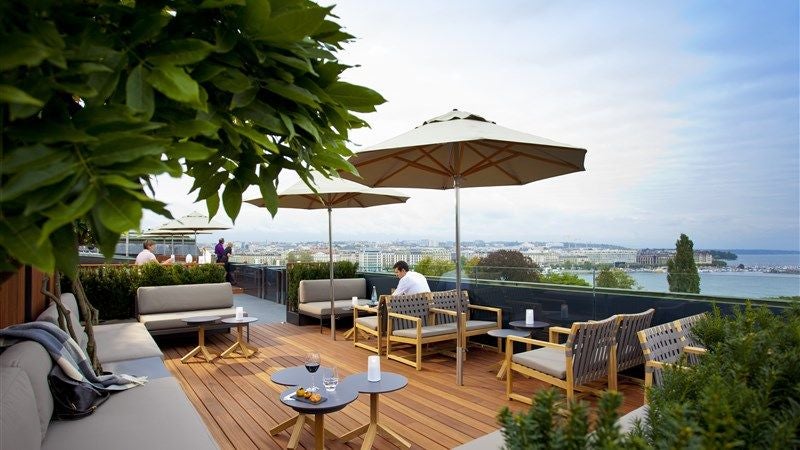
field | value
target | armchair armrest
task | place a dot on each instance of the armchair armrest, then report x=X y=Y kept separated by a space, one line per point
x=498 y=312
x=448 y=312
x=403 y=316
x=695 y=350
x=525 y=340
x=555 y=331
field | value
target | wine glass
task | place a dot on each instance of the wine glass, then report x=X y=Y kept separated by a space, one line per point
x=312 y=364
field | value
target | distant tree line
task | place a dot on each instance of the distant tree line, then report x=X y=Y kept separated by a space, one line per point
x=721 y=254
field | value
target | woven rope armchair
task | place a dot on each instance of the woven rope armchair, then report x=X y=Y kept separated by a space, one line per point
x=370 y=321
x=411 y=322
x=447 y=300
x=588 y=355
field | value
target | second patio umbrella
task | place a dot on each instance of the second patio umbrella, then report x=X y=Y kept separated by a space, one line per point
x=459 y=149
x=330 y=194
x=194 y=222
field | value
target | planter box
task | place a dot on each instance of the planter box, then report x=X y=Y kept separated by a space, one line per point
x=292 y=317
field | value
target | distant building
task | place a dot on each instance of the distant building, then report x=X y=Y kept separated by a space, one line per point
x=703 y=258
x=371 y=260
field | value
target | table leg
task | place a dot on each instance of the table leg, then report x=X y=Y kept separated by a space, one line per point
x=240 y=345
x=201 y=347
x=283 y=425
x=350 y=333
x=371 y=430
x=298 y=428
x=319 y=431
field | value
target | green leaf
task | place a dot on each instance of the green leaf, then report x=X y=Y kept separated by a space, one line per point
x=148 y=26
x=118 y=212
x=232 y=199
x=47 y=132
x=192 y=128
x=244 y=98
x=127 y=149
x=142 y=166
x=255 y=15
x=292 y=92
x=89 y=67
x=19 y=49
x=47 y=196
x=139 y=94
x=220 y=4
x=294 y=25
x=233 y=137
x=181 y=51
x=258 y=138
x=306 y=124
x=192 y=151
x=232 y=80
x=66 y=257
x=10 y=94
x=355 y=98
x=264 y=116
x=303 y=65
x=62 y=214
x=212 y=203
x=19 y=235
x=173 y=82
x=118 y=180
x=28 y=158
x=25 y=182
x=211 y=186
x=206 y=71
x=269 y=192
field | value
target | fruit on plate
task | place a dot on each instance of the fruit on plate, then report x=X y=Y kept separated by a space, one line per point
x=315 y=398
x=300 y=392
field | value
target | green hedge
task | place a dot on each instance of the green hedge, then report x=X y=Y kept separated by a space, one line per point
x=112 y=288
x=315 y=271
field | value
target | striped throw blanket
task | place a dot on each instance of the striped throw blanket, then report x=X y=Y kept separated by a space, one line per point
x=67 y=354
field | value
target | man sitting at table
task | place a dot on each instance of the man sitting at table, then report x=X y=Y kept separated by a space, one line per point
x=410 y=282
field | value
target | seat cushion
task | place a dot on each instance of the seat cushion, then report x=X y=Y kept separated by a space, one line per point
x=317 y=309
x=121 y=341
x=166 y=321
x=19 y=418
x=547 y=360
x=427 y=331
x=628 y=422
x=370 y=322
x=34 y=360
x=480 y=325
x=155 y=415
x=152 y=367
x=311 y=291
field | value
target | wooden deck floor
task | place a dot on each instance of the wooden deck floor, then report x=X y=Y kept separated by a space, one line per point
x=239 y=404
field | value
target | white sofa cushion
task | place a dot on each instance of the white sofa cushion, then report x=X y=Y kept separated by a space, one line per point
x=320 y=290
x=317 y=309
x=34 y=360
x=121 y=341
x=548 y=360
x=19 y=419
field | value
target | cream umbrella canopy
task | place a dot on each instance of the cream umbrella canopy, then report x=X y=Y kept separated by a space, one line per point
x=330 y=194
x=460 y=150
x=194 y=222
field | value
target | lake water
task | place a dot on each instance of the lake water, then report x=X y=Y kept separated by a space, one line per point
x=759 y=260
x=727 y=284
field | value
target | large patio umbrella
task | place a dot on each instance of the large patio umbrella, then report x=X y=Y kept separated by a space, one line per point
x=330 y=194
x=161 y=233
x=194 y=222
x=459 y=149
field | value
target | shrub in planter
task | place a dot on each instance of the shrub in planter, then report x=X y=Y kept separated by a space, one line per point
x=744 y=393
x=315 y=271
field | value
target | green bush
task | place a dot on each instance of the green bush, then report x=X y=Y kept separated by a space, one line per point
x=112 y=288
x=745 y=393
x=315 y=271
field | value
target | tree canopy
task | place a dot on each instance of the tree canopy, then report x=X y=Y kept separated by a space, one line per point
x=98 y=97
x=510 y=265
x=429 y=266
x=564 y=278
x=682 y=274
x=615 y=278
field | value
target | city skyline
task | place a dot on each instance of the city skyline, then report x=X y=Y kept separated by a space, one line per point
x=689 y=113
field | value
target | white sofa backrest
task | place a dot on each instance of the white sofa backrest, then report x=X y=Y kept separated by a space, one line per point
x=50 y=314
x=33 y=360
x=343 y=289
x=183 y=297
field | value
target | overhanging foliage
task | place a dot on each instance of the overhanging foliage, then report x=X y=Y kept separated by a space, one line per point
x=97 y=97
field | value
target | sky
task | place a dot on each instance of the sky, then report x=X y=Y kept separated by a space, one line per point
x=690 y=112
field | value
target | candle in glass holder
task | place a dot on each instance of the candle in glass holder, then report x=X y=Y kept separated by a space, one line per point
x=374 y=368
x=239 y=313
x=355 y=301
x=529 y=316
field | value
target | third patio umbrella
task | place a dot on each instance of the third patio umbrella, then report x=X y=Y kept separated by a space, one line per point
x=459 y=149
x=194 y=222
x=333 y=193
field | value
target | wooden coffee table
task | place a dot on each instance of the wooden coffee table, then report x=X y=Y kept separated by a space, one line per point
x=240 y=346
x=389 y=382
x=200 y=322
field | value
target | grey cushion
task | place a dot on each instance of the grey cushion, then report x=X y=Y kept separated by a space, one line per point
x=427 y=331
x=317 y=309
x=370 y=322
x=628 y=421
x=166 y=321
x=548 y=360
x=121 y=341
x=154 y=416
x=480 y=324
x=343 y=289
x=36 y=362
x=50 y=314
x=183 y=297
x=19 y=419
x=152 y=367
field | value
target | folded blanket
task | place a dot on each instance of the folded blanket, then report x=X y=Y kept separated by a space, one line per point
x=67 y=354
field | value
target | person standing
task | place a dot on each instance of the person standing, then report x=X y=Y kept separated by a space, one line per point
x=145 y=256
x=227 y=259
x=410 y=282
x=219 y=250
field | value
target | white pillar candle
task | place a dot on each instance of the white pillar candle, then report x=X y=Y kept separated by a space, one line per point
x=239 y=313
x=355 y=301
x=374 y=368
x=529 y=316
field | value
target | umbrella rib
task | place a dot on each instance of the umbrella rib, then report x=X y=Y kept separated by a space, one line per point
x=415 y=164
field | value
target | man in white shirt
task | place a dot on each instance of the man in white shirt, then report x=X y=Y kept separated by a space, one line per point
x=147 y=255
x=410 y=282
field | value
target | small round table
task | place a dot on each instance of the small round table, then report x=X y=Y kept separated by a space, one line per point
x=389 y=382
x=240 y=346
x=530 y=327
x=335 y=401
x=502 y=334
x=200 y=322
x=294 y=376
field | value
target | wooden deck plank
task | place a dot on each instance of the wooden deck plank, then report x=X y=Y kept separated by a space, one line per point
x=239 y=404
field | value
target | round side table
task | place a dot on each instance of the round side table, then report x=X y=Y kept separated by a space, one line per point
x=240 y=346
x=389 y=382
x=200 y=322
x=503 y=334
x=335 y=401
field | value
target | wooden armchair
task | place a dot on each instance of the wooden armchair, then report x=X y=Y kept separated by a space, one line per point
x=446 y=300
x=663 y=345
x=629 y=350
x=588 y=355
x=410 y=321
x=370 y=321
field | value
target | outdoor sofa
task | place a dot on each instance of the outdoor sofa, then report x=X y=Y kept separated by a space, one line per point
x=156 y=415
x=314 y=297
x=161 y=308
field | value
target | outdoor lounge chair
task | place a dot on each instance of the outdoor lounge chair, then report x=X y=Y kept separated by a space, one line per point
x=684 y=327
x=410 y=321
x=446 y=300
x=588 y=355
x=663 y=345
x=372 y=325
